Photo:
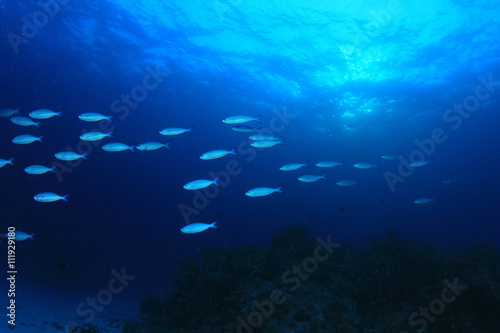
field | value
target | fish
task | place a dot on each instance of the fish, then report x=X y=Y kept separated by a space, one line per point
x=5 y=162
x=311 y=178
x=391 y=157
x=266 y=143
x=92 y=116
x=240 y=119
x=19 y=235
x=26 y=139
x=421 y=201
x=24 y=121
x=200 y=183
x=175 y=130
x=117 y=146
x=152 y=146
x=264 y=137
x=49 y=197
x=194 y=228
x=364 y=165
x=245 y=128
x=262 y=191
x=7 y=112
x=69 y=156
x=95 y=136
x=38 y=169
x=328 y=164
x=213 y=154
x=293 y=166
x=44 y=114
x=347 y=182
x=420 y=163
x=449 y=181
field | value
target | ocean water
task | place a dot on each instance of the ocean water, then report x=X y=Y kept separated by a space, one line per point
x=347 y=81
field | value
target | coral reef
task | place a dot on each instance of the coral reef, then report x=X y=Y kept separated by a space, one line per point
x=301 y=285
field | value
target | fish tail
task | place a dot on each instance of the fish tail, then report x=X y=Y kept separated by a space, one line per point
x=359 y=181
x=234 y=151
x=64 y=197
x=215 y=181
x=323 y=176
x=109 y=118
x=84 y=156
x=31 y=236
x=279 y=189
x=110 y=134
x=59 y=114
x=11 y=161
x=52 y=169
x=132 y=148
x=37 y=123
x=257 y=119
x=190 y=129
x=166 y=145
x=40 y=138
x=212 y=225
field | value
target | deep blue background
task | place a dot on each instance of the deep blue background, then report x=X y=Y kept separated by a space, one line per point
x=123 y=207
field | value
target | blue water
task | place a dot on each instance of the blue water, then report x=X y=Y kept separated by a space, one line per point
x=356 y=80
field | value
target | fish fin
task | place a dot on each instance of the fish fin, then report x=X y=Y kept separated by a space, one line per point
x=191 y=129
x=84 y=156
x=132 y=148
x=279 y=189
x=59 y=114
x=109 y=118
x=11 y=161
x=64 y=197
x=31 y=236
x=52 y=169
x=323 y=176
x=37 y=123
x=109 y=135
x=234 y=152
x=40 y=138
x=215 y=181
x=166 y=145
x=212 y=225
x=257 y=119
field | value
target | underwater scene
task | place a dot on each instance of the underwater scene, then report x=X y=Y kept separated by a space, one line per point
x=250 y=166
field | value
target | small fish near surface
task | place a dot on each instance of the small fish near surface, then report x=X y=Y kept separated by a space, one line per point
x=293 y=166
x=69 y=156
x=419 y=164
x=266 y=143
x=347 y=182
x=365 y=165
x=194 y=228
x=240 y=119
x=262 y=191
x=44 y=114
x=20 y=236
x=92 y=117
x=24 y=121
x=200 y=183
x=244 y=128
x=25 y=139
x=38 y=169
x=311 y=178
x=49 y=197
x=421 y=201
x=264 y=137
x=95 y=136
x=328 y=164
x=213 y=154
x=5 y=162
x=391 y=157
x=117 y=146
x=175 y=130
x=7 y=112
x=146 y=146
